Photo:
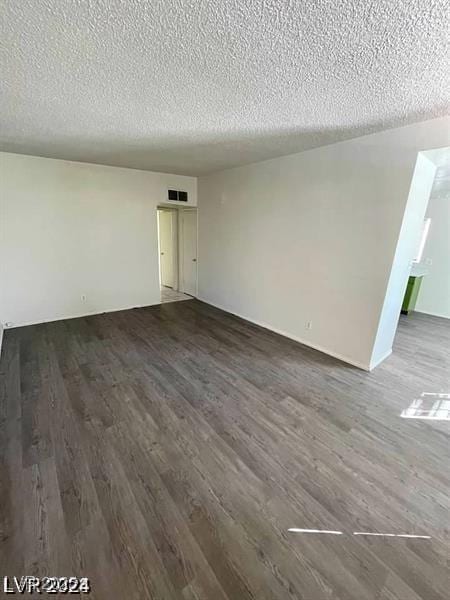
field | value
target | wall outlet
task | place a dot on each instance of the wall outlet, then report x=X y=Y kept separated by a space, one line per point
x=83 y=297
x=308 y=325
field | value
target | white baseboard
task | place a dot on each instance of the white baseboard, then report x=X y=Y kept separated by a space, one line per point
x=380 y=360
x=79 y=316
x=341 y=357
x=304 y=342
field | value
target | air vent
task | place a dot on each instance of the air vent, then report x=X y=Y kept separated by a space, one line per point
x=177 y=196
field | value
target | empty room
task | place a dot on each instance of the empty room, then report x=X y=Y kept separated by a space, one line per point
x=225 y=299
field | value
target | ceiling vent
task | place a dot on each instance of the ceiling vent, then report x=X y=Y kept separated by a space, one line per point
x=177 y=196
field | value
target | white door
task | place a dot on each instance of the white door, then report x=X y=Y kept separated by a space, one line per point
x=165 y=247
x=189 y=219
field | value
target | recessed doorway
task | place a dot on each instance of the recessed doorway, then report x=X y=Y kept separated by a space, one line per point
x=177 y=250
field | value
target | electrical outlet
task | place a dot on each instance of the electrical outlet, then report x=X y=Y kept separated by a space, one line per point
x=83 y=297
x=308 y=324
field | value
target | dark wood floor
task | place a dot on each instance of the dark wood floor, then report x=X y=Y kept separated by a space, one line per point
x=165 y=452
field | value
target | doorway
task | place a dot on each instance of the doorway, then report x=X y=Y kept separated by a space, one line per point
x=188 y=245
x=177 y=252
x=412 y=261
x=166 y=226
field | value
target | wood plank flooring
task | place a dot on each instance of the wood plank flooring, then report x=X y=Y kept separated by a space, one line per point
x=165 y=452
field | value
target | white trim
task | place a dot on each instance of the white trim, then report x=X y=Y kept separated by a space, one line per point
x=178 y=245
x=175 y=251
x=1 y=338
x=181 y=250
x=174 y=227
x=423 y=239
x=81 y=315
x=380 y=360
x=189 y=209
x=432 y=314
x=341 y=357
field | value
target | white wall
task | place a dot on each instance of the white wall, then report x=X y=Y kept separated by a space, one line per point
x=406 y=249
x=434 y=295
x=70 y=229
x=312 y=237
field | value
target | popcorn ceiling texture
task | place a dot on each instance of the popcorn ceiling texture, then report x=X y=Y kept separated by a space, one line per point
x=191 y=86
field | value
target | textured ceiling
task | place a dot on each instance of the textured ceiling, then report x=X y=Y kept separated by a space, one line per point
x=191 y=86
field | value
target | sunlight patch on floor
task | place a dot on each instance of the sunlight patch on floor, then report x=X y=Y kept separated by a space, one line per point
x=430 y=405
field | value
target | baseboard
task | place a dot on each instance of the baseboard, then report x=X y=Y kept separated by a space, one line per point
x=341 y=357
x=80 y=316
x=380 y=360
x=1 y=339
x=432 y=314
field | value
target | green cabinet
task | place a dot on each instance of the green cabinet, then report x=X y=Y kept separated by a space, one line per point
x=412 y=291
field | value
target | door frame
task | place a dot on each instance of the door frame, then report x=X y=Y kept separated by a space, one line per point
x=182 y=212
x=175 y=245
